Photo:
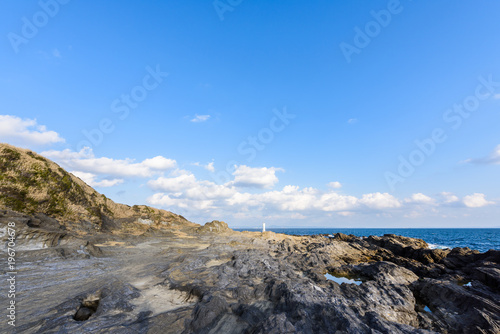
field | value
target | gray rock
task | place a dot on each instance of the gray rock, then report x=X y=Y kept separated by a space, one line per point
x=222 y=281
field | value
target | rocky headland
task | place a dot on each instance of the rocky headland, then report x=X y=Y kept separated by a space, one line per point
x=85 y=264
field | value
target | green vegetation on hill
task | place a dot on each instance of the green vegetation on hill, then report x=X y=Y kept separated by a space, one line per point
x=30 y=183
x=36 y=186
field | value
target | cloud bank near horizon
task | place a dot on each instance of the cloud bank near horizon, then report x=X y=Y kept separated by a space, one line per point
x=253 y=192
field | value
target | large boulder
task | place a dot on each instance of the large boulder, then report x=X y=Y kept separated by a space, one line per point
x=214 y=226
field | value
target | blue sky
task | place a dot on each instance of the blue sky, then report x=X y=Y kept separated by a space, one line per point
x=355 y=114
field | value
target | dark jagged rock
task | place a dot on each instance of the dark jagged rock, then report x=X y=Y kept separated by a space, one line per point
x=342 y=237
x=83 y=314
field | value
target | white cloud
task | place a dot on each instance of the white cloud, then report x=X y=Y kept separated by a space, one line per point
x=210 y=167
x=167 y=201
x=85 y=161
x=245 y=176
x=496 y=96
x=346 y=213
x=18 y=131
x=185 y=185
x=90 y=179
x=380 y=201
x=174 y=184
x=159 y=163
x=419 y=198
x=476 y=200
x=290 y=198
x=335 y=185
x=185 y=191
x=200 y=118
x=352 y=120
x=449 y=198
x=492 y=159
x=182 y=190
x=332 y=201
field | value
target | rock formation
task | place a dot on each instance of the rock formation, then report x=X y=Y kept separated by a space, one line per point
x=32 y=184
x=150 y=271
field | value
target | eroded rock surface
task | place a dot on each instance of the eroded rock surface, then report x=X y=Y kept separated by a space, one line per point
x=253 y=282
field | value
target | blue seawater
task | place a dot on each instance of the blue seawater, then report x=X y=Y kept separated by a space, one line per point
x=482 y=239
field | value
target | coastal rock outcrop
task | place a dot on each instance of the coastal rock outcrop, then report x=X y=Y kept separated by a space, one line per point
x=252 y=282
x=214 y=226
x=145 y=270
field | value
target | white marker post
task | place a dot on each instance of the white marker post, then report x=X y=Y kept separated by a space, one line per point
x=263 y=227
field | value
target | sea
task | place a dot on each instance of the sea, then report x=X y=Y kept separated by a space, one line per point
x=482 y=239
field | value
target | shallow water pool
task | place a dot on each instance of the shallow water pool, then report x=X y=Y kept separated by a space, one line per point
x=340 y=279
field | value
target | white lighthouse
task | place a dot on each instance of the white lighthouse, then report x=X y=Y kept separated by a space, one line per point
x=263 y=227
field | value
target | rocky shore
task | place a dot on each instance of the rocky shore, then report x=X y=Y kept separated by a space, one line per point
x=211 y=279
x=84 y=264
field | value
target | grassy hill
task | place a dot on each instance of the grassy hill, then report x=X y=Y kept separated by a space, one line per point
x=30 y=184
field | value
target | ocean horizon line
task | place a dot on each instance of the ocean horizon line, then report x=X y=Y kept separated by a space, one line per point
x=370 y=228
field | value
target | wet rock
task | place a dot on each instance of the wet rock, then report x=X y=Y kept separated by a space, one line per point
x=459 y=309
